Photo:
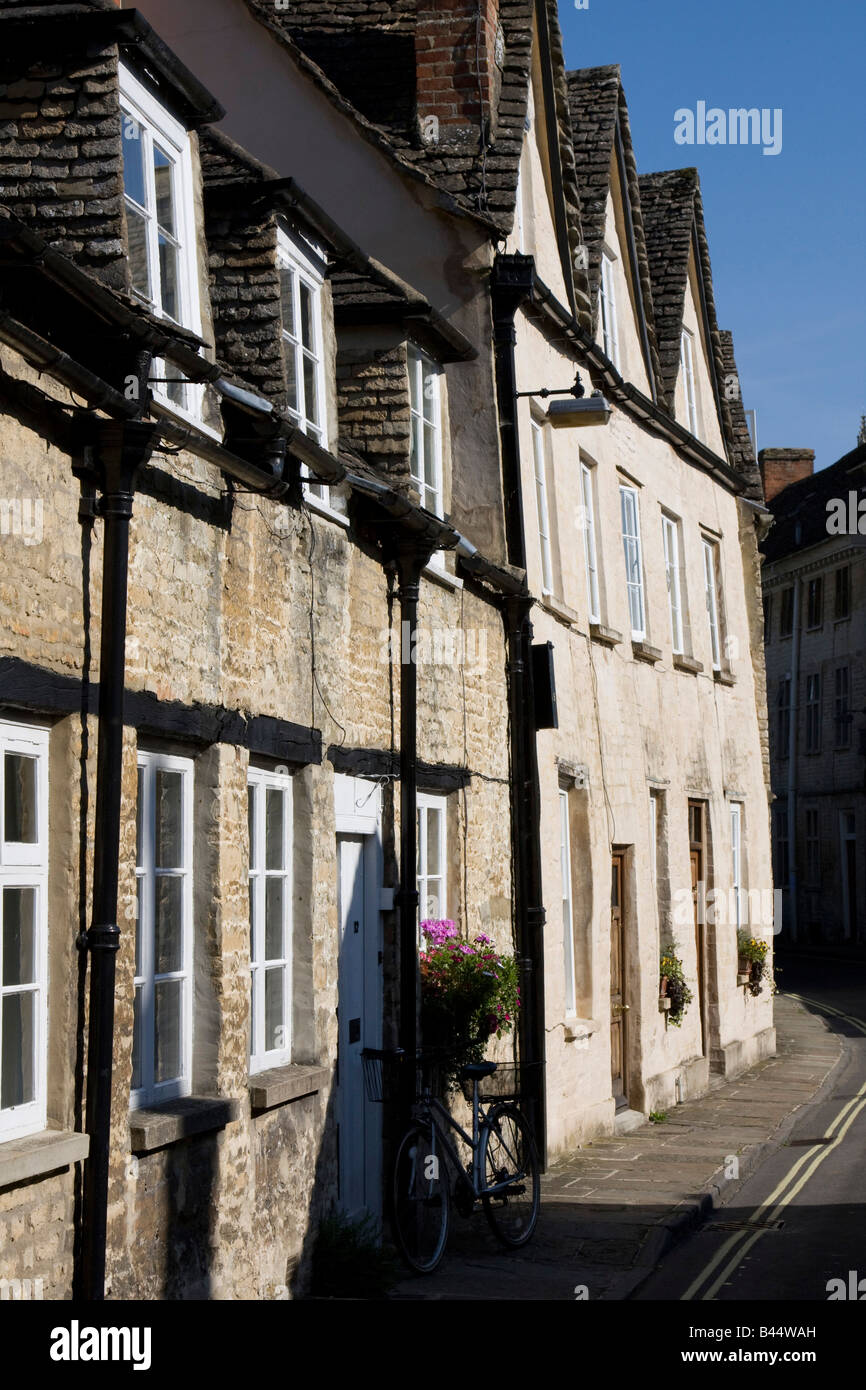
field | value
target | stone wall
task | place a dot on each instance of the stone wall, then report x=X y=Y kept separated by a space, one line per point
x=61 y=166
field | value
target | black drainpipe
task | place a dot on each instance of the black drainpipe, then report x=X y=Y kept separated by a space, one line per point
x=411 y=557
x=511 y=285
x=119 y=448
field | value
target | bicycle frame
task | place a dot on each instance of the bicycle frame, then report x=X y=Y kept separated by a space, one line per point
x=432 y=1107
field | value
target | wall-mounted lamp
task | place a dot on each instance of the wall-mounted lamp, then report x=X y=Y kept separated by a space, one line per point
x=578 y=410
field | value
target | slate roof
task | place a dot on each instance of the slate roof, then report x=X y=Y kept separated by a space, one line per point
x=673 y=214
x=742 y=454
x=596 y=102
x=803 y=505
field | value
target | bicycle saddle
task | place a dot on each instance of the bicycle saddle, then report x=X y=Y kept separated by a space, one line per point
x=476 y=1071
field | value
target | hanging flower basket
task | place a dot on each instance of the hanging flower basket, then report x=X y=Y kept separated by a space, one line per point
x=752 y=967
x=676 y=991
x=469 y=992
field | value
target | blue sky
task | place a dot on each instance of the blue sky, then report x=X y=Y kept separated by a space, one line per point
x=786 y=231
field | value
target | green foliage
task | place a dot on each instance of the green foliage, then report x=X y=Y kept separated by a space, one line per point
x=349 y=1260
x=678 y=990
x=657 y=1117
x=753 y=950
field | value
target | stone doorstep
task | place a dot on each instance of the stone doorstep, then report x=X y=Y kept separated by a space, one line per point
x=39 y=1154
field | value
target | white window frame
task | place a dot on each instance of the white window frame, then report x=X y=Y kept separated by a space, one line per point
x=424 y=375
x=737 y=857
x=304 y=269
x=262 y=1058
x=590 y=544
x=26 y=866
x=156 y=122
x=711 y=589
x=428 y=804
x=607 y=299
x=673 y=571
x=567 y=905
x=151 y=1092
x=633 y=554
x=539 y=458
x=687 y=364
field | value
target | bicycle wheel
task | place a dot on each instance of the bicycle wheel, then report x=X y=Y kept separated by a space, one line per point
x=421 y=1205
x=508 y=1157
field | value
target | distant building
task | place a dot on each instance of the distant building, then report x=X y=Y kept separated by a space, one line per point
x=815 y=634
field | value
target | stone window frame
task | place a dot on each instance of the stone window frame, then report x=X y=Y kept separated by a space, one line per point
x=25 y=864
x=157 y=122
x=264 y=780
x=690 y=389
x=152 y=1093
x=308 y=268
x=786 y=613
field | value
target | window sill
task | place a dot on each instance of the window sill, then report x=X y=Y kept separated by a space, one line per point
x=607 y=636
x=558 y=609
x=642 y=651
x=38 y=1154
x=688 y=664
x=442 y=576
x=281 y=1085
x=724 y=678
x=179 y=1119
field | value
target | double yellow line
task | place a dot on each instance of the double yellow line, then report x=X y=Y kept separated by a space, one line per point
x=739 y=1244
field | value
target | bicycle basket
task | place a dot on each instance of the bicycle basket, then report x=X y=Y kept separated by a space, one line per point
x=510 y=1081
x=385 y=1072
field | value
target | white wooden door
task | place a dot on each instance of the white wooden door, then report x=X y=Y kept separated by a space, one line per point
x=359 y=1025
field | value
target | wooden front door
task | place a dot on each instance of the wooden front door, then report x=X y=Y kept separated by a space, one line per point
x=696 y=852
x=618 y=1006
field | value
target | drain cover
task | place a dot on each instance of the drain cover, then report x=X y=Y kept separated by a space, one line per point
x=746 y=1226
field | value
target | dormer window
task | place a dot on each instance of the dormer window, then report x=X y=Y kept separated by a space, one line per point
x=301 y=282
x=687 y=363
x=160 y=224
x=610 y=340
x=425 y=460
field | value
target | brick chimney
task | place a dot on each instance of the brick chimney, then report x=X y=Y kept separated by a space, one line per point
x=459 y=53
x=781 y=467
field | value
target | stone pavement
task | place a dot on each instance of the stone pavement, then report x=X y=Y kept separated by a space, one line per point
x=609 y=1211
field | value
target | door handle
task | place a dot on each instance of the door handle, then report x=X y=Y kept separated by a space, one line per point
x=618 y=1009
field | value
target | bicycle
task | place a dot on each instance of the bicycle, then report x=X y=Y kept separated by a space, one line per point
x=503 y=1174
